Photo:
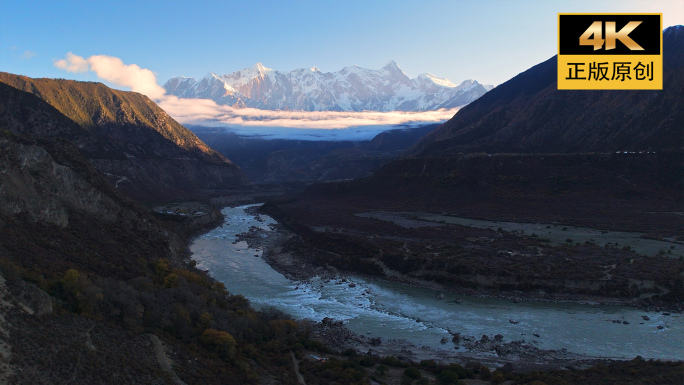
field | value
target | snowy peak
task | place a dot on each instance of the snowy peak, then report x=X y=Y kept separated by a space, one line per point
x=246 y=75
x=392 y=65
x=444 y=82
x=258 y=70
x=350 y=89
x=468 y=84
x=261 y=68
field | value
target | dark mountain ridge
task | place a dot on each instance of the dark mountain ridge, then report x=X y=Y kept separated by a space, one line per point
x=130 y=139
x=528 y=114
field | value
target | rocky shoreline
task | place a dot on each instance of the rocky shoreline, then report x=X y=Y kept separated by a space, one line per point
x=491 y=351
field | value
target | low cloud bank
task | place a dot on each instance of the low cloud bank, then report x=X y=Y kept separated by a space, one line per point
x=204 y=111
x=264 y=122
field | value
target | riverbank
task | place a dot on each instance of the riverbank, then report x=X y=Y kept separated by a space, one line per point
x=281 y=249
x=491 y=351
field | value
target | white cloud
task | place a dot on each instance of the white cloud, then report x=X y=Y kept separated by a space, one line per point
x=72 y=63
x=138 y=79
x=207 y=112
x=113 y=70
x=28 y=55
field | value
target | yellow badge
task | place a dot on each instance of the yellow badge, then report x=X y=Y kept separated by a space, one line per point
x=622 y=51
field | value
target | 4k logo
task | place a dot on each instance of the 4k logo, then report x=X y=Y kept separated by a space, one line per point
x=610 y=51
x=593 y=35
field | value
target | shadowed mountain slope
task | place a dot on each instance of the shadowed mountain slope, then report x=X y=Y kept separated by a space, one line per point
x=56 y=210
x=529 y=114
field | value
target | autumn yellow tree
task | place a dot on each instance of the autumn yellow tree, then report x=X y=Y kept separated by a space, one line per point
x=222 y=341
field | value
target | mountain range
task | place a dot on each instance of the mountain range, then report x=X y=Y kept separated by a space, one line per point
x=309 y=89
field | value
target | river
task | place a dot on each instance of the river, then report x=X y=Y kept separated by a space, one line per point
x=381 y=309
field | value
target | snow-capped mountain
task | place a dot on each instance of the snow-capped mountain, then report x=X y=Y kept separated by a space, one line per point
x=350 y=89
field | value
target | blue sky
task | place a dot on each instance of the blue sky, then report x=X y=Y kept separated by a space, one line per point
x=456 y=39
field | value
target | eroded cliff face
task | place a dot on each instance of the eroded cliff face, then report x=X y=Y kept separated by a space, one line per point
x=57 y=212
x=32 y=183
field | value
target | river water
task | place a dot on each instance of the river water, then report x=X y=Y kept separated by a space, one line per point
x=387 y=310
